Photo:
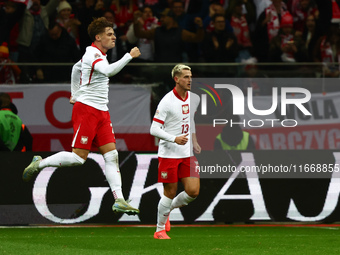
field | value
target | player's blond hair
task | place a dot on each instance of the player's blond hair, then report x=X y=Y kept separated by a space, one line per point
x=178 y=69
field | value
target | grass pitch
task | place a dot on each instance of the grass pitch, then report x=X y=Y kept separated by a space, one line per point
x=245 y=240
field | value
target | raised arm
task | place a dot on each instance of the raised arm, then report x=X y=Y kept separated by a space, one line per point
x=114 y=68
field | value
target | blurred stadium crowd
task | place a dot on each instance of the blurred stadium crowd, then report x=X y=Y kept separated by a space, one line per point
x=167 y=31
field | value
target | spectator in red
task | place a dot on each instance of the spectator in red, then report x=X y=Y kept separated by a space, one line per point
x=123 y=10
x=241 y=30
x=248 y=10
x=301 y=9
x=286 y=47
x=146 y=46
x=267 y=27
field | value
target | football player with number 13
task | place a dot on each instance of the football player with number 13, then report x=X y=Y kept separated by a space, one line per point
x=174 y=124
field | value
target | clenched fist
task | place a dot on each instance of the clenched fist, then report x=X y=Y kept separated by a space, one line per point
x=135 y=53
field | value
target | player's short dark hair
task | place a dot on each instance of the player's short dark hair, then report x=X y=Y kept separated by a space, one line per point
x=98 y=26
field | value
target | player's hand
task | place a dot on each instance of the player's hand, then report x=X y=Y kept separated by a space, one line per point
x=197 y=148
x=135 y=53
x=182 y=140
x=72 y=101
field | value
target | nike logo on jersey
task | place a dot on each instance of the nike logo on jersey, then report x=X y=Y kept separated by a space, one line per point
x=185 y=118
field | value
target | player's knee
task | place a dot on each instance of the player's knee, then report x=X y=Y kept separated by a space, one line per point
x=111 y=156
x=78 y=163
x=193 y=192
x=170 y=193
x=170 y=189
x=78 y=160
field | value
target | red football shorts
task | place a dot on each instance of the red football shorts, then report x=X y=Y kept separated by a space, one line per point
x=91 y=126
x=171 y=170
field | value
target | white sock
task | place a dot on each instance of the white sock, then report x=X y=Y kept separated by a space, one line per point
x=112 y=173
x=61 y=159
x=180 y=200
x=163 y=212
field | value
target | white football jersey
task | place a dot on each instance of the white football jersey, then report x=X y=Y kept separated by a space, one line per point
x=91 y=86
x=177 y=117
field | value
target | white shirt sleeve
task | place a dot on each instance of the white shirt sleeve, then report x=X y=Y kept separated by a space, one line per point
x=157 y=130
x=158 y=122
x=114 y=68
x=75 y=77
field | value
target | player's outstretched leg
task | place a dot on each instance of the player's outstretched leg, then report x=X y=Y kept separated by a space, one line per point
x=167 y=225
x=161 y=235
x=121 y=206
x=32 y=169
x=60 y=159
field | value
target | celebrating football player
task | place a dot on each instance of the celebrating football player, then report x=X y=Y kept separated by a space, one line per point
x=90 y=116
x=174 y=124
